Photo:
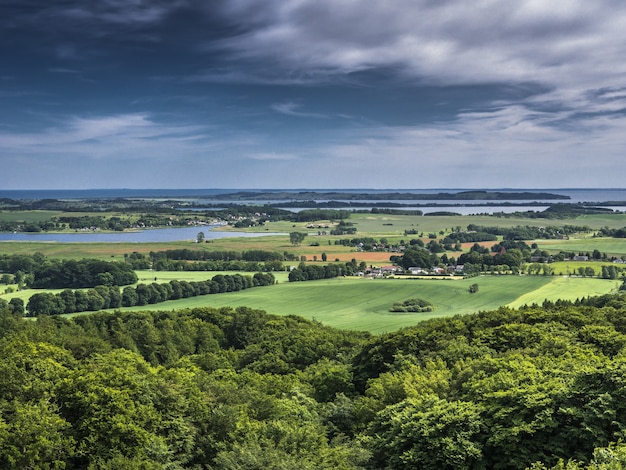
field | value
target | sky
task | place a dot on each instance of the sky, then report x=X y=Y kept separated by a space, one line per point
x=312 y=94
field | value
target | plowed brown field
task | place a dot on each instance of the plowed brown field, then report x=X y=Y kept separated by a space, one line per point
x=369 y=257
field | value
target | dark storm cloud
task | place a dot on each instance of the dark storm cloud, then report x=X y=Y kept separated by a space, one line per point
x=431 y=42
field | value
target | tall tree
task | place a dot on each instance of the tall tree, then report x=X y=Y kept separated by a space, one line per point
x=296 y=238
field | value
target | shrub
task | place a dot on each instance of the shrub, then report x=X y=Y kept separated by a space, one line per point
x=412 y=305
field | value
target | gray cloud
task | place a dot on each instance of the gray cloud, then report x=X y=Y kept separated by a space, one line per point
x=292 y=109
x=437 y=42
x=573 y=50
x=116 y=137
x=564 y=44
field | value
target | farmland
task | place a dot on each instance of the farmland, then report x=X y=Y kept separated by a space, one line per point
x=363 y=304
x=357 y=303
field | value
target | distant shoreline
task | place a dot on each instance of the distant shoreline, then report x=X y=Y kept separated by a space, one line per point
x=470 y=195
x=287 y=195
x=336 y=197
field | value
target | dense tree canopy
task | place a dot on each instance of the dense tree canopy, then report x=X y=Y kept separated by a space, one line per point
x=43 y=273
x=415 y=256
x=540 y=387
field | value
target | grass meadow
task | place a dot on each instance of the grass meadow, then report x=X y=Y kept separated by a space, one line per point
x=610 y=246
x=363 y=304
x=148 y=276
x=566 y=288
x=566 y=268
x=392 y=225
x=104 y=251
x=28 y=216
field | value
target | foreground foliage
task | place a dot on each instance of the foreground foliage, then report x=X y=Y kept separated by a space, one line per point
x=238 y=388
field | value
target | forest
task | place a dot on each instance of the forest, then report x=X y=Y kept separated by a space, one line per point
x=41 y=272
x=207 y=388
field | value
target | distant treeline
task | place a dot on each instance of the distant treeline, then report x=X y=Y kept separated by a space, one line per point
x=312 y=272
x=104 y=297
x=442 y=214
x=469 y=237
x=197 y=255
x=197 y=260
x=615 y=233
x=39 y=272
x=374 y=207
x=219 y=265
x=525 y=232
x=310 y=215
x=562 y=211
x=147 y=213
x=395 y=196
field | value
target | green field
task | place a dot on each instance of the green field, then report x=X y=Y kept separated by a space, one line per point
x=104 y=251
x=394 y=225
x=566 y=288
x=610 y=246
x=567 y=268
x=363 y=304
x=147 y=276
x=28 y=216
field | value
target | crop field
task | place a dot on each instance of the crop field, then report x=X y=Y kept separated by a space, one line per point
x=35 y=216
x=566 y=288
x=28 y=216
x=394 y=225
x=566 y=268
x=148 y=276
x=116 y=251
x=104 y=251
x=363 y=304
x=610 y=246
x=597 y=221
x=379 y=223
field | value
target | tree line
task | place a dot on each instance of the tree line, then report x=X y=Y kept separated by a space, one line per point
x=310 y=215
x=312 y=272
x=200 y=260
x=226 y=255
x=106 y=297
x=39 y=272
x=527 y=232
x=56 y=274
